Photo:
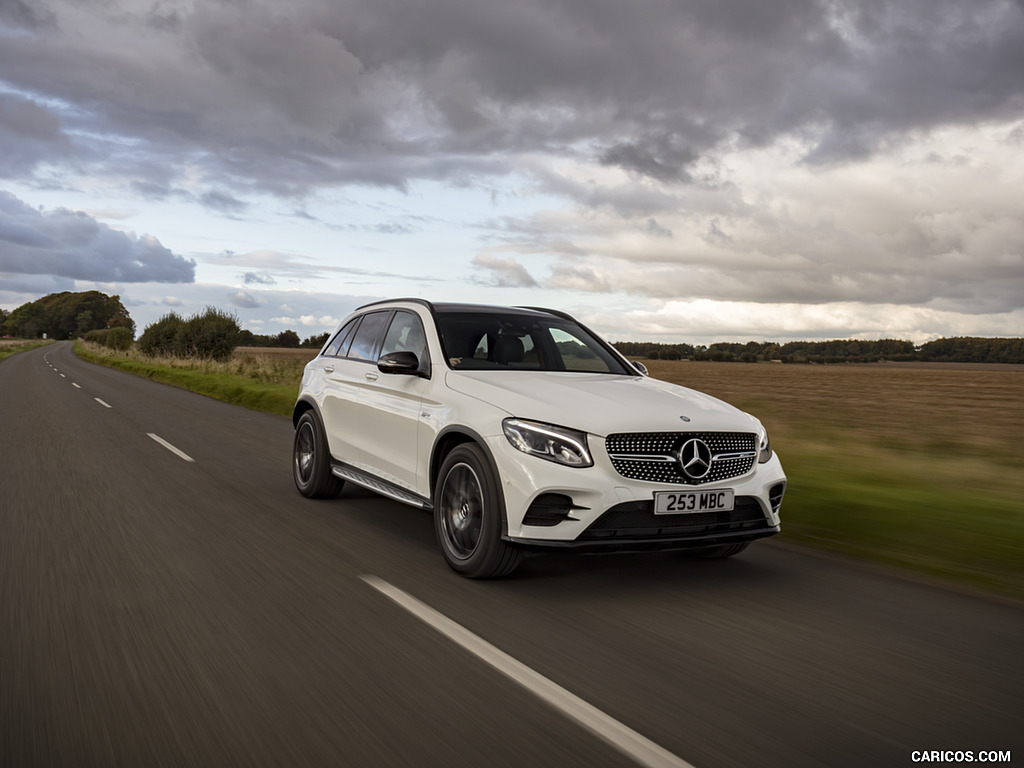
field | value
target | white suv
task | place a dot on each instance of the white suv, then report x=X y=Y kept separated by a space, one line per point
x=520 y=429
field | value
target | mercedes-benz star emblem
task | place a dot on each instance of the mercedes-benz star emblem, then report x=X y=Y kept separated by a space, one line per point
x=695 y=459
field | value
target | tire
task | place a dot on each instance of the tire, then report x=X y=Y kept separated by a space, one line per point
x=720 y=552
x=468 y=516
x=311 y=460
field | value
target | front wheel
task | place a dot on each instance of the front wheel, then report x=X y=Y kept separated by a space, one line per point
x=468 y=517
x=720 y=552
x=311 y=461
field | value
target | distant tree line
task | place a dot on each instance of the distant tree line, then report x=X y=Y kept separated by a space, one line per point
x=954 y=350
x=66 y=315
x=287 y=339
x=213 y=333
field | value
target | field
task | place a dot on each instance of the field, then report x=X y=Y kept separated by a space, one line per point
x=920 y=466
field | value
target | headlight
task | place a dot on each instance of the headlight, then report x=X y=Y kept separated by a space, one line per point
x=764 y=447
x=557 y=444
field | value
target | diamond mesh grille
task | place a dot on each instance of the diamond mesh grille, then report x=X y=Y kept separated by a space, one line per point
x=654 y=456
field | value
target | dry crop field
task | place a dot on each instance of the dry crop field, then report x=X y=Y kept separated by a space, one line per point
x=942 y=410
x=917 y=465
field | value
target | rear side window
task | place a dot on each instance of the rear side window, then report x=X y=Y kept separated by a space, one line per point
x=364 y=344
x=339 y=346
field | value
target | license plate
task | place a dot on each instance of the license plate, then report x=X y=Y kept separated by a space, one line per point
x=683 y=502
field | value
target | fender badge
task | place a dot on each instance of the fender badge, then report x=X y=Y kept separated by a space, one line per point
x=685 y=418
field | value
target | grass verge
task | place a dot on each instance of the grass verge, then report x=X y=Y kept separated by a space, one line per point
x=13 y=347
x=942 y=521
x=250 y=382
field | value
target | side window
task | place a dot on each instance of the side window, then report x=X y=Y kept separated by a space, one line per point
x=365 y=341
x=339 y=346
x=406 y=334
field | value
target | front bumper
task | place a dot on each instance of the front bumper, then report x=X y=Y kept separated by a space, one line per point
x=609 y=512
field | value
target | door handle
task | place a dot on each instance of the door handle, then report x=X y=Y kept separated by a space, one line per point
x=371 y=376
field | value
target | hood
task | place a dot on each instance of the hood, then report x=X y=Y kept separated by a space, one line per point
x=601 y=404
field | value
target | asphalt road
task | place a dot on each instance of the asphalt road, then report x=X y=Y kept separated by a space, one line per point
x=192 y=609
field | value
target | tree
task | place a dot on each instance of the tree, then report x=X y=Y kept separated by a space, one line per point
x=160 y=338
x=65 y=315
x=212 y=334
x=287 y=339
x=315 y=342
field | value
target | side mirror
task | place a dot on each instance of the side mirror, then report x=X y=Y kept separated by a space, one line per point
x=399 y=362
x=640 y=367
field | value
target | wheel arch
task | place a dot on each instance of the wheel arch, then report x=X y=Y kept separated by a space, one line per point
x=447 y=440
x=305 y=404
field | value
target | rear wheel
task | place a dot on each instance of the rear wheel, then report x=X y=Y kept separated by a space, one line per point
x=720 y=552
x=311 y=461
x=468 y=517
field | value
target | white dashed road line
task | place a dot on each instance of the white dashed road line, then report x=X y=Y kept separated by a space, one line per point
x=76 y=386
x=179 y=453
x=620 y=736
x=105 y=405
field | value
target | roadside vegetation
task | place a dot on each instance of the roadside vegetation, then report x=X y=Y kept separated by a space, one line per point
x=260 y=379
x=10 y=347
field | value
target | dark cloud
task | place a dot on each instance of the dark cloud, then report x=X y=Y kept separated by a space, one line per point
x=20 y=14
x=74 y=245
x=373 y=92
x=29 y=135
x=660 y=159
x=223 y=202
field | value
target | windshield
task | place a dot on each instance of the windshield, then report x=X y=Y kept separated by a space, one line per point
x=482 y=341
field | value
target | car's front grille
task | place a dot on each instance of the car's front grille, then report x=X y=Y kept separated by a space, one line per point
x=636 y=520
x=655 y=456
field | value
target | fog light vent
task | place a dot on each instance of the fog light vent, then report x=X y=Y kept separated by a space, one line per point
x=775 y=496
x=550 y=509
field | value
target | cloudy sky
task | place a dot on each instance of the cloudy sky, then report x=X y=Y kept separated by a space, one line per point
x=673 y=170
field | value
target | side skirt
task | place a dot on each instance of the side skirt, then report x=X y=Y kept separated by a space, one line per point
x=383 y=487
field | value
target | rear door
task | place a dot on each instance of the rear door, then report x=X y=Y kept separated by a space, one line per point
x=389 y=406
x=347 y=374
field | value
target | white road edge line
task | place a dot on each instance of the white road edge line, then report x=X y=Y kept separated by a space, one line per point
x=625 y=739
x=180 y=454
x=105 y=405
